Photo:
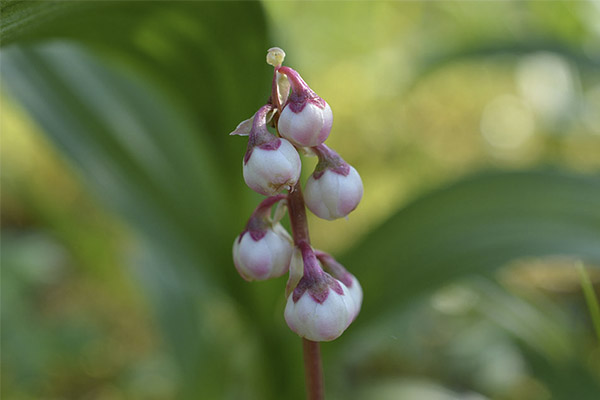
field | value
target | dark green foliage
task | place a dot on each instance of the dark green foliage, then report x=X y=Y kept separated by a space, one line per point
x=139 y=98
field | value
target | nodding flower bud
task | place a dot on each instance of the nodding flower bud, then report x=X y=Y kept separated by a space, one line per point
x=264 y=249
x=320 y=308
x=335 y=188
x=306 y=118
x=271 y=164
x=340 y=273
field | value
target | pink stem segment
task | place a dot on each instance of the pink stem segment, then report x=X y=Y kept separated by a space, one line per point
x=313 y=370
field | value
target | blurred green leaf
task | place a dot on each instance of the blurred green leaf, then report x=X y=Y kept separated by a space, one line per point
x=507 y=49
x=147 y=126
x=145 y=121
x=543 y=331
x=590 y=298
x=476 y=226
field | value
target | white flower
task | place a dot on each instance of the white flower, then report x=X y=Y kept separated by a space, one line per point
x=272 y=167
x=337 y=270
x=262 y=255
x=331 y=195
x=355 y=291
x=308 y=127
x=306 y=118
x=320 y=308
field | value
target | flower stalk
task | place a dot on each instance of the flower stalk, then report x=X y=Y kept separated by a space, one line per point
x=313 y=367
x=313 y=370
x=323 y=298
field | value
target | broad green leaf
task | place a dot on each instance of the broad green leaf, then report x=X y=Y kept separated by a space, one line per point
x=507 y=51
x=145 y=121
x=103 y=134
x=146 y=126
x=475 y=227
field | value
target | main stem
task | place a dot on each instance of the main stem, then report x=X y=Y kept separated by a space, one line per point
x=297 y=212
x=313 y=369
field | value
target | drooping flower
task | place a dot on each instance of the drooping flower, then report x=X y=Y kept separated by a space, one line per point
x=335 y=188
x=264 y=249
x=320 y=308
x=271 y=164
x=306 y=118
x=340 y=273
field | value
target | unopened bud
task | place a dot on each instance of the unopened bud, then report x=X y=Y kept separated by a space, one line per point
x=306 y=118
x=340 y=273
x=265 y=258
x=320 y=308
x=264 y=249
x=335 y=188
x=271 y=164
x=272 y=168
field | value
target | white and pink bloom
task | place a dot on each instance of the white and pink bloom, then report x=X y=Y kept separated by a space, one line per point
x=323 y=298
x=320 y=308
x=264 y=249
x=306 y=118
x=271 y=164
x=335 y=188
x=340 y=273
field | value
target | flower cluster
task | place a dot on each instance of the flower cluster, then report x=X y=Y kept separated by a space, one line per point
x=323 y=298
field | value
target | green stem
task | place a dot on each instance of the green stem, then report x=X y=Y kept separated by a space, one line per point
x=590 y=298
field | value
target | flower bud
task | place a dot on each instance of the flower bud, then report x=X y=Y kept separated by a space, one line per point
x=272 y=168
x=271 y=164
x=263 y=258
x=306 y=118
x=264 y=249
x=340 y=273
x=335 y=188
x=320 y=308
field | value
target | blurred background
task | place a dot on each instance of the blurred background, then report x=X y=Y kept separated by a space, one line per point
x=475 y=128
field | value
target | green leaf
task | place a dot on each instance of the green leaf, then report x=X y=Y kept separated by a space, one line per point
x=144 y=121
x=496 y=49
x=473 y=227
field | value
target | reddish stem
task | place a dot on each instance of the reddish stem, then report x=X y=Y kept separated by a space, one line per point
x=296 y=81
x=313 y=370
x=297 y=213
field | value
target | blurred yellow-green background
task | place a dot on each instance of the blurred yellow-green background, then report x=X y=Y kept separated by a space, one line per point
x=475 y=127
